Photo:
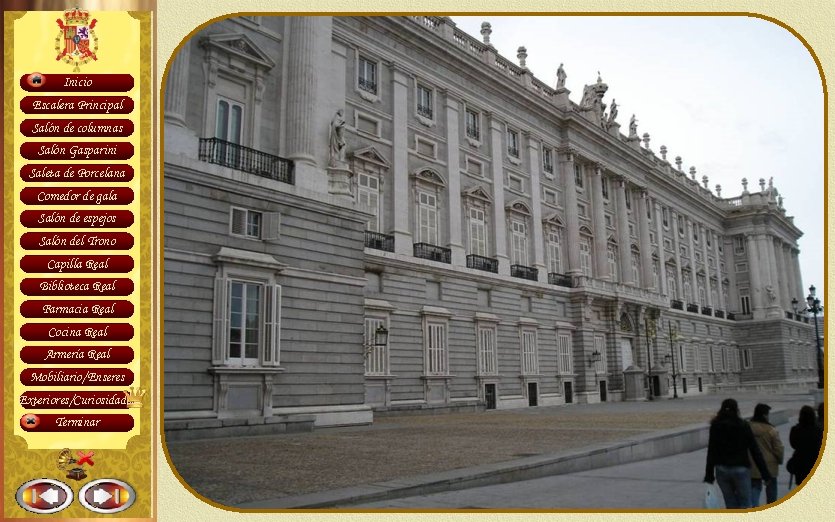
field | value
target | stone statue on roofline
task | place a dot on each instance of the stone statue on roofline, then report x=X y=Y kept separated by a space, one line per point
x=633 y=127
x=561 y=76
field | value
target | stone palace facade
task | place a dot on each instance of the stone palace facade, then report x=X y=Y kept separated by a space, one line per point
x=378 y=214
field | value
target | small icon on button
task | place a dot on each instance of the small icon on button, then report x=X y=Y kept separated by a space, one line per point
x=30 y=421
x=44 y=496
x=106 y=496
x=35 y=80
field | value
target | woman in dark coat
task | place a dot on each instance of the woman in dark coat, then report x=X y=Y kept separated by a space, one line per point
x=806 y=438
x=730 y=442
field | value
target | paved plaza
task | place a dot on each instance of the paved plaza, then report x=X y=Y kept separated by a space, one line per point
x=295 y=470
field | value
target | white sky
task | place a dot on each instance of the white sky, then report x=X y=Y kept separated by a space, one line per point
x=733 y=96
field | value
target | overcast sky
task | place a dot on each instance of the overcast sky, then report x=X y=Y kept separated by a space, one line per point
x=733 y=96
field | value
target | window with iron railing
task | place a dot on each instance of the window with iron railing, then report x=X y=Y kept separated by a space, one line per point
x=473 y=124
x=245 y=159
x=424 y=102
x=367 y=75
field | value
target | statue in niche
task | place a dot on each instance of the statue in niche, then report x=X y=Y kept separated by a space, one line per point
x=337 y=141
x=769 y=290
x=633 y=127
x=561 y=76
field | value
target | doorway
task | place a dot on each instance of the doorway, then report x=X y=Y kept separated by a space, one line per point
x=569 y=392
x=603 y=391
x=532 y=394
x=684 y=385
x=490 y=396
x=626 y=357
x=700 y=385
x=656 y=386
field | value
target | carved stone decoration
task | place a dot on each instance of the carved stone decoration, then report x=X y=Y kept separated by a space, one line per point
x=769 y=290
x=588 y=309
x=633 y=128
x=486 y=30
x=561 y=76
x=625 y=323
x=339 y=174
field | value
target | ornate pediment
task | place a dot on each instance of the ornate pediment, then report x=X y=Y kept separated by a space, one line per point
x=477 y=193
x=518 y=206
x=553 y=219
x=238 y=45
x=371 y=155
x=429 y=176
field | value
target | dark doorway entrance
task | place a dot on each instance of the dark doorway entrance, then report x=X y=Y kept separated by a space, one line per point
x=603 y=391
x=684 y=385
x=490 y=396
x=700 y=384
x=569 y=392
x=656 y=386
x=533 y=399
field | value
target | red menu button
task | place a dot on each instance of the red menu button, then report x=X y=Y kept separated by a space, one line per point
x=44 y=496
x=107 y=496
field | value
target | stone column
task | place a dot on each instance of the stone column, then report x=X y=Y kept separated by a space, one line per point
x=694 y=281
x=662 y=254
x=176 y=86
x=601 y=265
x=782 y=276
x=536 y=209
x=719 y=276
x=624 y=241
x=309 y=40
x=754 y=278
x=791 y=274
x=499 y=221
x=677 y=254
x=572 y=220
x=644 y=241
x=402 y=231
x=454 y=182
x=768 y=243
x=704 y=234
x=797 y=274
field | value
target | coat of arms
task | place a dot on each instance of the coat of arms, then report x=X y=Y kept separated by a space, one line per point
x=79 y=39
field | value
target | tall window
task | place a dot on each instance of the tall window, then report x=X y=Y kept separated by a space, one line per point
x=368 y=195
x=628 y=197
x=744 y=301
x=478 y=232
x=367 y=75
x=473 y=125
x=519 y=242
x=564 y=353
x=512 y=143
x=246 y=323
x=739 y=244
x=555 y=251
x=688 y=294
x=636 y=263
x=578 y=176
x=612 y=260
x=656 y=283
x=487 y=350
x=530 y=363
x=665 y=217
x=427 y=218
x=424 y=101
x=585 y=256
x=436 y=348
x=604 y=186
x=672 y=288
x=548 y=160
x=229 y=121
x=376 y=357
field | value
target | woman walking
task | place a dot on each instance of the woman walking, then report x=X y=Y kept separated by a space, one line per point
x=768 y=439
x=805 y=437
x=730 y=441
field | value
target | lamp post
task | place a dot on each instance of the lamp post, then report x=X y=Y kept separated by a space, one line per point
x=672 y=356
x=813 y=305
x=649 y=326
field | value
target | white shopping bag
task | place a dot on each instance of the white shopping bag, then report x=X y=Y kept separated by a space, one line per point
x=712 y=497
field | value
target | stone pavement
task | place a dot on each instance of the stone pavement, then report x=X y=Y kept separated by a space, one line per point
x=397 y=455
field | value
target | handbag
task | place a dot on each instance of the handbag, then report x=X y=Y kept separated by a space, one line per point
x=712 y=497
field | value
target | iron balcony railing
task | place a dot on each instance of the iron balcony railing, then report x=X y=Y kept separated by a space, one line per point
x=367 y=85
x=706 y=310
x=676 y=304
x=483 y=263
x=379 y=241
x=245 y=159
x=731 y=316
x=693 y=308
x=559 y=279
x=433 y=252
x=425 y=111
x=473 y=132
x=524 y=272
x=719 y=313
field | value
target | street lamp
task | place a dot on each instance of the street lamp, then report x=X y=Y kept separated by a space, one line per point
x=813 y=305
x=672 y=358
x=595 y=358
x=381 y=338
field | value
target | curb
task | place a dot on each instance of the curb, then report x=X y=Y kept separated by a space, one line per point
x=643 y=447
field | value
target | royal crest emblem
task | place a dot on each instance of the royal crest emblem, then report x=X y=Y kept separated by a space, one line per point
x=76 y=32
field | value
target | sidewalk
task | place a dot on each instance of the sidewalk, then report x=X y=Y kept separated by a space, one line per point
x=406 y=456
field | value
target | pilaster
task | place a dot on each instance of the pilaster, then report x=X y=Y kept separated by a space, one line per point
x=402 y=232
x=677 y=254
x=694 y=281
x=454 y=182
x=499 y=221
x=176 y=87
x=755 y=279
x=624 y=241
x=644 y=241
x=720 y=294
x=536 y=209
x=662 y=254
x=572 y=220
x=601 y=264
x=704 y=233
